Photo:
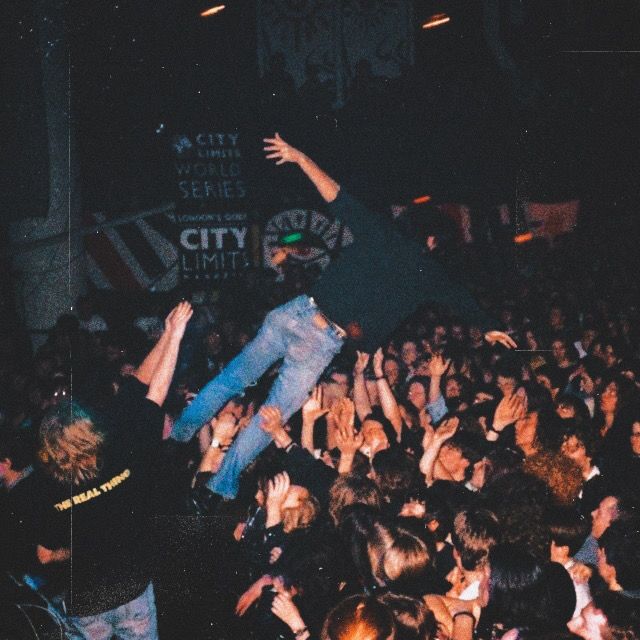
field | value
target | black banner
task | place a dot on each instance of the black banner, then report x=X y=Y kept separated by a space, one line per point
x=211 y=197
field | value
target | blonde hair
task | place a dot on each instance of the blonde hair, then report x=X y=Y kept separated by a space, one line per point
x=301 y=516
x=70 y=445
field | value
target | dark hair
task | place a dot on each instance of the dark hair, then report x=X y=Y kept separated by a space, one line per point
x=514 y=587
x=475 y=532
x=568 y=528
x=395 y=471
x=593 y=367
x=584 y=433
x=553 y=373
x=414 y=621
x=621 y=544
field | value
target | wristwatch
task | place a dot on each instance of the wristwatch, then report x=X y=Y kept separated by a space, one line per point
x=215 y=443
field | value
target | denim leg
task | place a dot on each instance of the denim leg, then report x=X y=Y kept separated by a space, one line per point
x=138 y=619
x=309 y=352
x=247 y=367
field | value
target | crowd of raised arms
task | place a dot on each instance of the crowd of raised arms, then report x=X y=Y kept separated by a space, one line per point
x=438 y=487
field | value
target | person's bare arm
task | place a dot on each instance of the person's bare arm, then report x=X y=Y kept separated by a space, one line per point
x=432 y=444
x=144 y=372
x=282 y=152
x=388 y=401
x=360 y=395
x=163 y=373
x=311 y=411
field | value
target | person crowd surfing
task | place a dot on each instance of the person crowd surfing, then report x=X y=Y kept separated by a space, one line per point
x=370 y=288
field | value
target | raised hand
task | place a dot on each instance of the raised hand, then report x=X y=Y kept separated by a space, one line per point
x=277 y=490
x=224 y=428
x=348 y=440
x=509 y=410
x=179 y=316
x=438 y=365
x=343 y=413
x=280 y=151
x=492 y=337
x=312 y=408
x=447 y=429
x=362 y=360
x=271 y=420
x=378 y=358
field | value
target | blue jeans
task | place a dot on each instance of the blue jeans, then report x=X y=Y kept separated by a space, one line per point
x=135 y=620
x=288 y=332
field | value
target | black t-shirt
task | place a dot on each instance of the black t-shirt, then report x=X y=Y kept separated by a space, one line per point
x=383 y=277
x=104 y=522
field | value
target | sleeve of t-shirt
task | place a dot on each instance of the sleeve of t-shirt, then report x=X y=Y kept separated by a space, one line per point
x=360 y=220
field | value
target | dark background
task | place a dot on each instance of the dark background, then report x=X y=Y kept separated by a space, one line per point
x=565 y=124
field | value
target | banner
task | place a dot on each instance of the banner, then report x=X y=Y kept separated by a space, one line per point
x=327 y=39
x=211 y=205
x=324 y=236
x=212 y=246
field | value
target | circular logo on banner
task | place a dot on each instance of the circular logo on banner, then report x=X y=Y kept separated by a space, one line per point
x=324 y=236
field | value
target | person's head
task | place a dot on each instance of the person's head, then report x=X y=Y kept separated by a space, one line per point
x=568 y=406
x=634 y=436
x=359 y=618
x=562 y=351
x=414 y=621
x=299 y=508
x=393 y=472
x=418 y=393
x=17 y=452
x=475 y=533
x=563 y=476
x=588 y=334
x=619 y=555
x=458 y=455
x=550 y=378
x=336 y=384
x=612 y=353
x=70 y=444
x=617 y=394
x=391 y=370
x=569 y=530
x=405 y=563
x=349 y=490
x=514 y=586
x=374 y=435
x=409 y=352
x=591 y=372
x=579 y=443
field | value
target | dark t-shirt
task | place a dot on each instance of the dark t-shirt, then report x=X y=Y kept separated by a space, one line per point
x=104 y=521
x=383 y=277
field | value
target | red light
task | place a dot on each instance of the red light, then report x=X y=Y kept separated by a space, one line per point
x=421 y=200
x=523 y=237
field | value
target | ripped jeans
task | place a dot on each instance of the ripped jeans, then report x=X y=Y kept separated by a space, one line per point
x=288 y=333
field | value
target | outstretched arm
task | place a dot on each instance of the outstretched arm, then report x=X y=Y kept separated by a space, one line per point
x=165 y=368
x=282 y=152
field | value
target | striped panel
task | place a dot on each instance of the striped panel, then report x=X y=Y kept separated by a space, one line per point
x=139 y=247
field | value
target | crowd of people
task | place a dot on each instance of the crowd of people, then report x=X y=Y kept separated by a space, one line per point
x=429 y=484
